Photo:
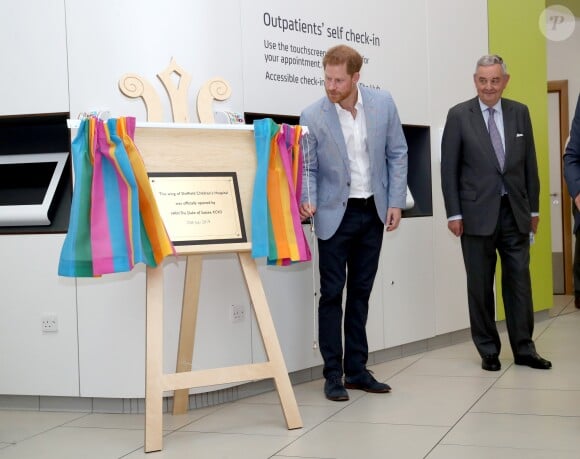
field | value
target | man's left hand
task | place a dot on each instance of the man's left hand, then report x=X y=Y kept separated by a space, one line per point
x=393 y=218
x=535 y=223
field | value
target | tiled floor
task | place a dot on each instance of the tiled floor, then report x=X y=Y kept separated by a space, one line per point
x=443 y=406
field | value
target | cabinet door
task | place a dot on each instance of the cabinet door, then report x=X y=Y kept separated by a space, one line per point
x=293 y=303
x=33 y=361
x=407 y=262
x=34 y=77
x=112 y=312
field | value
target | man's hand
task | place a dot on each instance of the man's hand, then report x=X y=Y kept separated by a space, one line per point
x=393 y=218
x=306 y=210
x=535 y=223
x=456 y=227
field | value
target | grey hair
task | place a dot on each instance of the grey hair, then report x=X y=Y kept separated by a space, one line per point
x=491 y=59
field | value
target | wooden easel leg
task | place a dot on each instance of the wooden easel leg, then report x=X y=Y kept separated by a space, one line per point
x=187 y=326
x=270 y=340
x=154 y=361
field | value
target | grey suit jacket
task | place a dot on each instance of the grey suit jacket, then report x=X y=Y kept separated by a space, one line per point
x=572 y=161
x=326 y=176
x=471 y=178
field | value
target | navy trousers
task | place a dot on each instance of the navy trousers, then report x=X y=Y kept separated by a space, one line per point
x=351 y=257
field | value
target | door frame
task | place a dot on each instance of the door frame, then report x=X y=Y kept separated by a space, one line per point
x=561 y=88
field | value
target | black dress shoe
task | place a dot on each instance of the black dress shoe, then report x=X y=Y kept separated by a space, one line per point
x=490 y=362
x=577 y=301
x=334 y=389
x=365 y=381
x=533 y=361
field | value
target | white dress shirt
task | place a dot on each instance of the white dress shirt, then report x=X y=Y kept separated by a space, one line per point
x=354 y=131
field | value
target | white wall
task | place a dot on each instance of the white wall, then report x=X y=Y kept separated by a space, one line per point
x=34 y=58
x=387 y=64
x=564 y=64
x=420 y=288
x=114 y=38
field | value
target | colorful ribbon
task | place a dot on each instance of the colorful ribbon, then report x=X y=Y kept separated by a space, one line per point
x=115 y=222
x=276 y=228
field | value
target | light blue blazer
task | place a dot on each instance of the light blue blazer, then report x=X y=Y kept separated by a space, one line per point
x=326 y=173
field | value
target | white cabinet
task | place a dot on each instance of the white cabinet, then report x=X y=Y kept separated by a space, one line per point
x=407 y=282
x=112 y=325
x=33 y=362
x=34 y=77
x=112 y=335
x=290 y=293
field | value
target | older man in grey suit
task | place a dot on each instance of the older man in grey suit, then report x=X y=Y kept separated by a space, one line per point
x=491 y=188
x=355 y=179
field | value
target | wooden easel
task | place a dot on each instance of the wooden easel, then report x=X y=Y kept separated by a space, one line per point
x=205 y=148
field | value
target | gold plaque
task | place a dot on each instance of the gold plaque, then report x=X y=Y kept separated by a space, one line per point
x=199 y=208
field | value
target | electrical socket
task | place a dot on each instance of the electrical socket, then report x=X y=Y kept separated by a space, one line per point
x=49 y=323
x=237 y=313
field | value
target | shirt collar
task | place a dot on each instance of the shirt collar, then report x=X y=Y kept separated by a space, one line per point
x=496 y=107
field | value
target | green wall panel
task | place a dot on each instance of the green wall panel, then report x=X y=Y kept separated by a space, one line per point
x=515 y=35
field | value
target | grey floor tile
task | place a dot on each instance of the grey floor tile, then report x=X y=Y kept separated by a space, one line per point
x=310 y=393
x=430 y=366
x=553 y=433
x=19 y=425
x=424 y=400
x=562 y=376
x=76 y=443
x=461 y=350
x=181 y=445
x=259 y=420
x=486 y=452
x=542 y=402
x=137 y=421
x=340 y=440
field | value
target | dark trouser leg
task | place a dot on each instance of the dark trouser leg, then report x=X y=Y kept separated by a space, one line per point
x=514 y=251
x=363 y=262
x=479 y=256
x=332 y=255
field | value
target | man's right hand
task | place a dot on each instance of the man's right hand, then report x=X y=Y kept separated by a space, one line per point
x=456 y=227
x=306 y=210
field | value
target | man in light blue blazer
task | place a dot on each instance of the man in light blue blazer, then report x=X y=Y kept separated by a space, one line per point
x=354 y=187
